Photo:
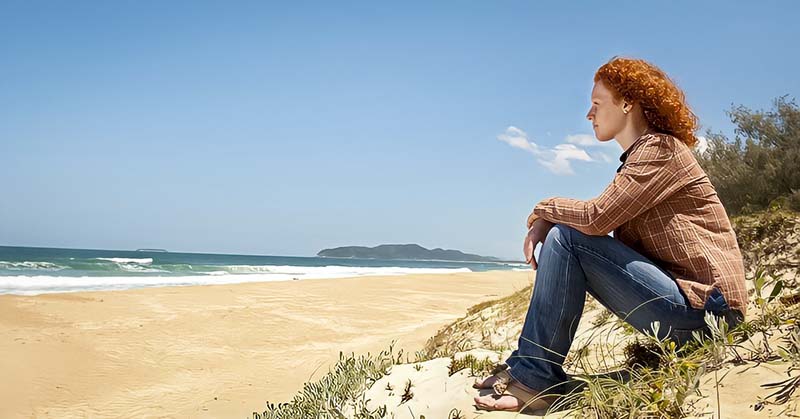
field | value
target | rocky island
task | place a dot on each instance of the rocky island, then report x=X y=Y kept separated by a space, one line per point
x=403 y=251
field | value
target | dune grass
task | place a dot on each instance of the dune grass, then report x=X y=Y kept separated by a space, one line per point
x=340 y=392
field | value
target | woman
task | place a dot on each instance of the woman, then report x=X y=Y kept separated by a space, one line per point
x=673 y=255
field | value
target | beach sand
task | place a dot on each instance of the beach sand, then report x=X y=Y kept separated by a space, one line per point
x=214 y=351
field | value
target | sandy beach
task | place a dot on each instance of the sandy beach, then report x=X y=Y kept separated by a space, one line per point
x=214 y=351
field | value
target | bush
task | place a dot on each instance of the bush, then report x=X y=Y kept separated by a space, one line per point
x=759 y=167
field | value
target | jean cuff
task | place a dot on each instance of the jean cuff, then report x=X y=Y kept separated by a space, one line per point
x=519 y=373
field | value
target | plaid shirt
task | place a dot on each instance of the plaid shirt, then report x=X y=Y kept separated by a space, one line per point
x=662 y=204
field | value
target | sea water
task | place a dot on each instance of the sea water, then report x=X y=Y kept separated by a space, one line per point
x=38 y=270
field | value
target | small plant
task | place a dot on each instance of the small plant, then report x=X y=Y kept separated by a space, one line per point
x=760 y=280
x=455 y=414
x=790 y=350
x=602 y=318
x=407 y=393
x=642 y=354
x=785 y=389
x=626 y=328
x=477 y=367
x=770 y=315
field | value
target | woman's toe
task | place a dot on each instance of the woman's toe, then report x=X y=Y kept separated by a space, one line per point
x=485 y=383
x=504 y=402
x=485 y=401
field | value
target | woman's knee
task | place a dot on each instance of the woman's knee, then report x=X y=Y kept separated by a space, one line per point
x=560 y=233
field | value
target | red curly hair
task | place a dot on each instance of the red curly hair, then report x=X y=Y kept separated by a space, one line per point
x=662 y=101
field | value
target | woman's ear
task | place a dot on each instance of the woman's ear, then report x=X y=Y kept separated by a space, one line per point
x=626 y=107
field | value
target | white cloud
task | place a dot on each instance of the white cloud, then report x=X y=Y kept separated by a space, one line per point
x=587 y=140
x=558 y=159
x=702 y=144
x=517 y=138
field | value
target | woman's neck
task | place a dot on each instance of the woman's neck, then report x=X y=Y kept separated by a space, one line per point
x=631 y=133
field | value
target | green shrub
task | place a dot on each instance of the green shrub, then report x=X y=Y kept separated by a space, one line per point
x=758 y=169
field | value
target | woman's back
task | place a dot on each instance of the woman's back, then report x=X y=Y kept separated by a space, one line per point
x=687 y=233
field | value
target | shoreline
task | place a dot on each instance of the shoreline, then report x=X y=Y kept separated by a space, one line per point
x=46 y=284
x=215 y=350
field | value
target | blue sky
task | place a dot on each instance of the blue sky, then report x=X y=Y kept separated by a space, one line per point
x=286 y=127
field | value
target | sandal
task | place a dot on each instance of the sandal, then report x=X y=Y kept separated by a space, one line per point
x=532 y=401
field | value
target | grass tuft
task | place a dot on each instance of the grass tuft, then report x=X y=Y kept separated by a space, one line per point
x=478 y=367
x=340 y=393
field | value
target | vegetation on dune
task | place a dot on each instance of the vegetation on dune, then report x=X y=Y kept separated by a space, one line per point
x=339 y=391
x=760 y=164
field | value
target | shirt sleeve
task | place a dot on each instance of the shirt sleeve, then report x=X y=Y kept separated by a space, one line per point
x=652 y=173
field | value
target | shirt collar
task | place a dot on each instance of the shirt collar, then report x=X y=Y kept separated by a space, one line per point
x=622 y=158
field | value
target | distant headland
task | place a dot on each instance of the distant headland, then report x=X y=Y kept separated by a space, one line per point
x=403 y=251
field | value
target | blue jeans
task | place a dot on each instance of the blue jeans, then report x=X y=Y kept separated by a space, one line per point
x=634 y=288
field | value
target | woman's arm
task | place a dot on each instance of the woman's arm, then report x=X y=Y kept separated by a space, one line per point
x=653 y=172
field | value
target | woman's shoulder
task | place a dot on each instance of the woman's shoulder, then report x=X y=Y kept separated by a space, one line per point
x=669 y=140
x=668 y=151
x=662 y=144
x=662 y=138
x=654 y=145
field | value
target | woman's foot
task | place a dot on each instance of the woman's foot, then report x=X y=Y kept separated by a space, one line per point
x=501 y=402
x=511 y=395
x=487 y=382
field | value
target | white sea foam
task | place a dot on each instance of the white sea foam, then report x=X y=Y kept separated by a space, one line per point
x=19 y=266
x=34 y=285
x=216 y=273
x=338 y=271
x=138 y=268
x=141 y=261
x=133 y=264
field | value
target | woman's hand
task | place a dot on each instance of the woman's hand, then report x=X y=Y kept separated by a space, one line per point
x=536 y=234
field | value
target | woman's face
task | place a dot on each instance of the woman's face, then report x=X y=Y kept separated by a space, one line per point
x=606 y=116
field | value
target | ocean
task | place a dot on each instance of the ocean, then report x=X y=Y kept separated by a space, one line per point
x=39 y=270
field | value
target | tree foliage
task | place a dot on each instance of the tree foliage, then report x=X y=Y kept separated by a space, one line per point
x=760 y=167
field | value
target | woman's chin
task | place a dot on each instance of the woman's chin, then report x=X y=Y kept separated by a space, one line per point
x=602 y=137
x=598 y=135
